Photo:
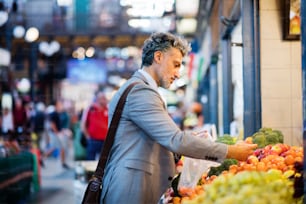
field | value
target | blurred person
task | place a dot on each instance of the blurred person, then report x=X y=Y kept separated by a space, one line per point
x=7 y=123
x=94 y=125
x=58 y=140
x=38 y=121
x=20 y=117
x=38 y=129
x=141 y=164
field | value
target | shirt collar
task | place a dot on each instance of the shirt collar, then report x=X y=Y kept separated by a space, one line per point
x=153 y=84
x=149 y=78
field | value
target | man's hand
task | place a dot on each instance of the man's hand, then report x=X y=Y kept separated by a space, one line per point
x=240 y=150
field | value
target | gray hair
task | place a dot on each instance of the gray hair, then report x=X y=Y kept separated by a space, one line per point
x=162 y=42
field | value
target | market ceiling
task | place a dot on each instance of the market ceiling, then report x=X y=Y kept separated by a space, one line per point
x=102 y=23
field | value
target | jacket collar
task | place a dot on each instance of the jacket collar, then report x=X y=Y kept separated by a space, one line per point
x=140 y=76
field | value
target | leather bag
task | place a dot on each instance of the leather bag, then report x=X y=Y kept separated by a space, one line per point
x=94 y=188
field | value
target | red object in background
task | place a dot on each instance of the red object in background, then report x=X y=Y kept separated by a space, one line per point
x=190 y=65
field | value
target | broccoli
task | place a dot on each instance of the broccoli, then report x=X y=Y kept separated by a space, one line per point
x=259 y=139
x=272 y=138
x=265 y=130
x=228 y=162
x=280 y=136
x=266 y=136
x=224 y=166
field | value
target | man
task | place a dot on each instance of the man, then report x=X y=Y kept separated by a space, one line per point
x=141 y=163
x=94 y=126
x=58 y=138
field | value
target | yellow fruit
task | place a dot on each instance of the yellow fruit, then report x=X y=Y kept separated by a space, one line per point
x=289 y=173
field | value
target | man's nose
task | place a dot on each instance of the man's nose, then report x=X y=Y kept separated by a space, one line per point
x=177 y=75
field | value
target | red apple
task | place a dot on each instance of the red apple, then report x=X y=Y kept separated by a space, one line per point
x=284 y=147
x=252 y=159
x=257 y=152
x=268 y=147
x=276 y=149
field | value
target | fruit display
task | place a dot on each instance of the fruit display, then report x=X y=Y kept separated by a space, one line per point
x=273 y=172
x=245 y=188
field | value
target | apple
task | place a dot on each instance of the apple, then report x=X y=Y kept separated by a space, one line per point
x=258 y=152
x=268 y=147
x=276 y=149
x=284 y=147
x=252 y=159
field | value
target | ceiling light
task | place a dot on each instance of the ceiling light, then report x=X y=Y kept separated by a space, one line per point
x=32 y=34
x=3 y=17
x=64 y=2
x=139 y=23
x=90 y=52
x=146 y=12
x=5 y=57
x=186 y=26
x=18 y=31
x=49 y=49
x=187 y=8
x=23 y=85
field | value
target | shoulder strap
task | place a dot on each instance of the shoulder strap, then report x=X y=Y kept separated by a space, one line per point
x=111 y=132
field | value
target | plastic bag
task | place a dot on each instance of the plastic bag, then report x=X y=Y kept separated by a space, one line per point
x=194 y=168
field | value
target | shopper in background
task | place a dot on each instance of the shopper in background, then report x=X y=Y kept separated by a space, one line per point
x=7 y=123
x=58 y=140
x=38 y=123
x=141 y=163
x=20 y=117
x=94 y=125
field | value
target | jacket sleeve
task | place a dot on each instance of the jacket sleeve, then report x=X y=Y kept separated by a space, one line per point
x=146 y=110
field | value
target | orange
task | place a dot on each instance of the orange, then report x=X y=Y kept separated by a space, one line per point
x=261 y=166
x=298 y=159
x=289 y=160
x=233 y=169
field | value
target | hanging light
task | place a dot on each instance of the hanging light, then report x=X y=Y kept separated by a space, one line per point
x=90 y=52
x=64 y=2
x=186 y=25
x=3 y=17
x=23 y=85
x=18 y=31
x=187 y=8
x=49 y=49
x=32 y=34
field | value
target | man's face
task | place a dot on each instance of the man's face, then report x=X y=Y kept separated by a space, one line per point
x=170 y=63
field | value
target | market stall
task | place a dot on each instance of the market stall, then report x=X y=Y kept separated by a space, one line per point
x=16 y=176
x=272 y=174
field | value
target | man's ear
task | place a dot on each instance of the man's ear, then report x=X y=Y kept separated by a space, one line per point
x=158 y=56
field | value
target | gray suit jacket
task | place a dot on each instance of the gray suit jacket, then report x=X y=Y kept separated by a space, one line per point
x=141 y=163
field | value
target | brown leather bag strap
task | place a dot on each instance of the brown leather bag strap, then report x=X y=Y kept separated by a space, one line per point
x=111 y=133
